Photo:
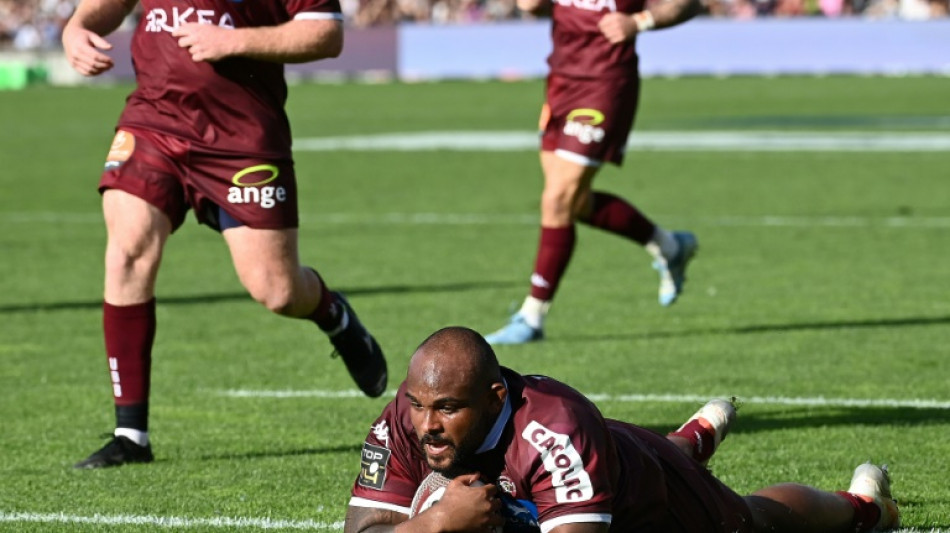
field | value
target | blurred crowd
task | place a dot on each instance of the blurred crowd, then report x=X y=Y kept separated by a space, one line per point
x=37 y=24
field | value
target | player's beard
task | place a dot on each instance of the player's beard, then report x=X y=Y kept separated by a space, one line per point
x=462 y=460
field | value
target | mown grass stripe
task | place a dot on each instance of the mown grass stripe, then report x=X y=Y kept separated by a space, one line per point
x=531 y=219
x=746 y=141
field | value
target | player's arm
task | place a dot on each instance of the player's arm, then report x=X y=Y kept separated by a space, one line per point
x=83 y=34
x=295 y=41
x=620 y=27
x=463 y=507
x=367 y=520
x=535 y=7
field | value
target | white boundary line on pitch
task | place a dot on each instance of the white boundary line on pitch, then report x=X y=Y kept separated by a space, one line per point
x=531 y=219
x=231 y=523
x=168 y=521
x=715 y=141
x=816 y=401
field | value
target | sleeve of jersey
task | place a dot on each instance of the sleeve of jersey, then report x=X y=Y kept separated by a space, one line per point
x=387 y=478
x=314 y=9
x=571 y=480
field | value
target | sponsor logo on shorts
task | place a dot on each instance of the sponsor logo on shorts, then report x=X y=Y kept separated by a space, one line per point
x=570 y=481
x=582 y=123
x=373 y=466
x=123 y=144
x=251 y=187
x=159 y=19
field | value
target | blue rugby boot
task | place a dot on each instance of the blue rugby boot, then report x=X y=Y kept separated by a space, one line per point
x=516 y=331
x=673 y=271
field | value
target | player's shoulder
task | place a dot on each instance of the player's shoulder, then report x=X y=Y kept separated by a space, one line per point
x=552 y=403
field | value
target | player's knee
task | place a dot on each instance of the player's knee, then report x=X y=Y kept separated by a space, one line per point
x=127 y=258
x=277 y=299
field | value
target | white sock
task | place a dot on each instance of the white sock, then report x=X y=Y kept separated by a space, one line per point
x=134 y=435
x=533 y=311
x=662 y=245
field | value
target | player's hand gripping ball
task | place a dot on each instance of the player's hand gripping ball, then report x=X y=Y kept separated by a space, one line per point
x=520 y=516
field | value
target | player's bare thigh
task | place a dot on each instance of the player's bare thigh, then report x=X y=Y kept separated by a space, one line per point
x=567 y=186
x=137 y=232
x=268 y=264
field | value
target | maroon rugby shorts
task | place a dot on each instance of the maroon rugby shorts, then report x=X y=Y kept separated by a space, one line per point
x=588 y=120
x=698 y=501
x=175 y=176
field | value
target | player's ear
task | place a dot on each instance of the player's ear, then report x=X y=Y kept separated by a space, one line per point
x=499 y=393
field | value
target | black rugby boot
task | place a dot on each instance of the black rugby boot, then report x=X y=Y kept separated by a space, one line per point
x=363 y=357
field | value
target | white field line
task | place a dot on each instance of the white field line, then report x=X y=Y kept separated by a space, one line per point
x=229 y=523
x=172 y=522
x=530 y=219
x=730 y=141
x=817 y=401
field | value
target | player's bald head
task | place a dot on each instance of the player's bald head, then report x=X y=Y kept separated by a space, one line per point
x=452 y=354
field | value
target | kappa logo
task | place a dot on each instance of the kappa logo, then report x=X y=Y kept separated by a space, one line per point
x=249 y=188
x=538 y=281
x=373 y=466
x=570 y=481
x=582 y=123
x=381 y=432
x=158 y=19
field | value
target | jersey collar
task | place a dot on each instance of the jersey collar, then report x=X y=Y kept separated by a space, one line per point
x=491 y=440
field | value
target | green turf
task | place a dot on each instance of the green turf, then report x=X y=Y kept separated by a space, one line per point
x=804 y=310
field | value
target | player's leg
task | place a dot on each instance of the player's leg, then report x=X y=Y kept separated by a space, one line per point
x=701 y=435
x=867 y=505
x=671 y=251
x=268 y=265
x=616 y=104
x=136 y=235
x=566 y=193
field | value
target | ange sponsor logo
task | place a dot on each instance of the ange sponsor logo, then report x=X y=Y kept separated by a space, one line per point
x=571 y=482
x=249 y=191
x=582 y=123
x=159 y=19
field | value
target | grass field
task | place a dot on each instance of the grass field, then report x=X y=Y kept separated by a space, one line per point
x=820 y=296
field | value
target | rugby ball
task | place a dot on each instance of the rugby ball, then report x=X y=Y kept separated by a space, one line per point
x=429 y=493
x=520 y=516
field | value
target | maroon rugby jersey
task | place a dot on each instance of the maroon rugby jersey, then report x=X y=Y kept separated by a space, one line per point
x=234 y=105
x=553 y=448
x=580 y=50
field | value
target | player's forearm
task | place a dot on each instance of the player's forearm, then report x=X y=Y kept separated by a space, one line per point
x=101 y=16
x=535 y=7
x=673 y=12
x=297 y=41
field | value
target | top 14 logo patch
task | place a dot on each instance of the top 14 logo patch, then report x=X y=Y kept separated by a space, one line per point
x=373 y=463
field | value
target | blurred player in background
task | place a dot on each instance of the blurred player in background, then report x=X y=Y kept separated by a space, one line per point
x=592 y=94
x=531 y=437
x=205 y=129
